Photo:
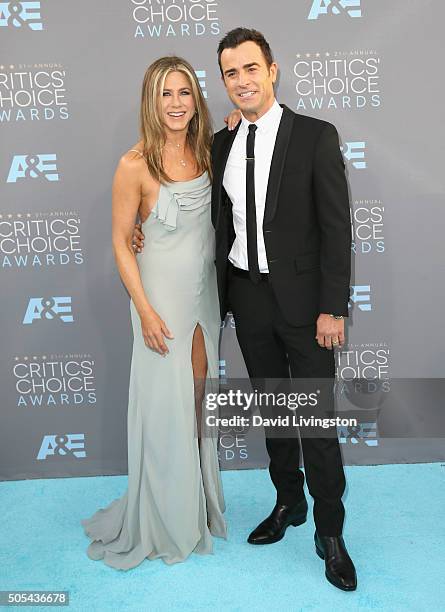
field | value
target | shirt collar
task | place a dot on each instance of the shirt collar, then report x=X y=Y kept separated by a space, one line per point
x=267 y=121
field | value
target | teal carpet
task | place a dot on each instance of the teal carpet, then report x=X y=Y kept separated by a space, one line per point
x=394 y=531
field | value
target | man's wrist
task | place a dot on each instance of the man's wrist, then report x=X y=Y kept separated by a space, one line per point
x=336 y=317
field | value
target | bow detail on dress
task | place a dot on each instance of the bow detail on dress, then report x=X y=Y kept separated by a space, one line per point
x=170 y=202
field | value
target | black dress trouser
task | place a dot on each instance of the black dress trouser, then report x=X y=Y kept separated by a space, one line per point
x=272 y=348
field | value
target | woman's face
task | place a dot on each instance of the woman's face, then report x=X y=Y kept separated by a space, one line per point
x=178 y=105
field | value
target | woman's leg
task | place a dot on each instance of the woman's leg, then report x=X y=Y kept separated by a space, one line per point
x=199 y=365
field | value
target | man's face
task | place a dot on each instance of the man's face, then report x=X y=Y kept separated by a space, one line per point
x=248 y=79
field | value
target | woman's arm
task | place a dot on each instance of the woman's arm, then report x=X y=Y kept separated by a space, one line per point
x=126 y=196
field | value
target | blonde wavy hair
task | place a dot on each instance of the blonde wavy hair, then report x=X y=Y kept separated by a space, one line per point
x=152 y=130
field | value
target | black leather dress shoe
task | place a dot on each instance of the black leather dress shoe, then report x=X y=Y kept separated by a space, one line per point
x=340 y=570
x=274 y=527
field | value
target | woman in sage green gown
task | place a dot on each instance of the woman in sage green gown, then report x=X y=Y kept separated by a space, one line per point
x=174 y=501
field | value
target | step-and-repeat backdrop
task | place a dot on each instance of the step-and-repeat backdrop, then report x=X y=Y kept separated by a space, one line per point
x=70 y=79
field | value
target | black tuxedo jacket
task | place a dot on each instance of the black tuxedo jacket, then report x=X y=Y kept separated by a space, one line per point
x=307 y=224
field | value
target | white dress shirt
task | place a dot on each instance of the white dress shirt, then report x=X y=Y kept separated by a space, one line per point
x=234 y=183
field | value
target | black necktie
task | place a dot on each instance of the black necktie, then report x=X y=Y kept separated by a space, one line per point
x=252 y=247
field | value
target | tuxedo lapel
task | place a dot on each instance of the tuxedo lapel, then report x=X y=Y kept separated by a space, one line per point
x=277 y=164
x=219 y=161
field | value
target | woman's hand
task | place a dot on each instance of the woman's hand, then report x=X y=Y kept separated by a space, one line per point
x=233 y=119
x=153 y=330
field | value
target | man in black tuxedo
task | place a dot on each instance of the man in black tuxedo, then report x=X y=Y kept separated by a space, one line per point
x=280 y=209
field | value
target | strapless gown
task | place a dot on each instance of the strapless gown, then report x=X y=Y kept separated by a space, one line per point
x=174 y=487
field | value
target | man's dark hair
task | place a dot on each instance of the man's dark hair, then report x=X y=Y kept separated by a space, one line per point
x=236 y=37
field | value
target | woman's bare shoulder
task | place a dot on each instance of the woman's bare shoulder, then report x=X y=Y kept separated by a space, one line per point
x=132 y=168
x=133 y=154
x=132 y=163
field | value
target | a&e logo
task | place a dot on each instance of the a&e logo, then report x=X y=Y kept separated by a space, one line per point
x=361 y=296
x=335 y=7
x=222 y=371
x=20 y=14
x=363 y=433
x=62 y=445
x=201 y=74
x=354 y=152
x=49 y=308
x=42 y=165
